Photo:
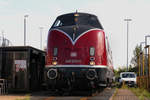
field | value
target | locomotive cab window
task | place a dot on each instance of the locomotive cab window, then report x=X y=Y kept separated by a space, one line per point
x=57 y=23
x=80 y=19
x=92 y=51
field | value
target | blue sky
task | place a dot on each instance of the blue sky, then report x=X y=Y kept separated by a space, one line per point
x=111 y=14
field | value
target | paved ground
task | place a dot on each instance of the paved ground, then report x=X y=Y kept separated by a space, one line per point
x=106 y=94
x=122 y=94
x=125 y=94
x=12 y=97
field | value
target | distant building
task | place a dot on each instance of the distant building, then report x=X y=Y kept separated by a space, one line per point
x=4 y=42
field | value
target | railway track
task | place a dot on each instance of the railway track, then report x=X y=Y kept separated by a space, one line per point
x=104 y=94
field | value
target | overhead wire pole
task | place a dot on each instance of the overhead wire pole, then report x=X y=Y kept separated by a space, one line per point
x=4 y=41
x=127 y=37
x=1 y=62
x=140 y=59
x=25 y=16
x=3 y=38
x=146 y=40
x=141 y=45
x=146 y=55
x=41 y=30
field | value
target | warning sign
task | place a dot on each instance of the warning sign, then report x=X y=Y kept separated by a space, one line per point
x=20 y=65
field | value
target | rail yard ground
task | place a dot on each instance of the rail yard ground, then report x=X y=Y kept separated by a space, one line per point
x=105 y=94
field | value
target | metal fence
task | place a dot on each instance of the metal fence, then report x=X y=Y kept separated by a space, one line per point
x=143 y=79
x=3 y=87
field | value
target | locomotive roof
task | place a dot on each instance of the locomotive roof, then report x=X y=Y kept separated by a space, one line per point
x=79 y=13
x=77 y=18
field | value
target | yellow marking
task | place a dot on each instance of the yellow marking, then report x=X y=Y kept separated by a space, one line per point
x=85 y=98
x=50 y=98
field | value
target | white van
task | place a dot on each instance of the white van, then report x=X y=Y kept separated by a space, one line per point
x=128 y=77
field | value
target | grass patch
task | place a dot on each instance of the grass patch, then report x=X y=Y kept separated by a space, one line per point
x=124 y=86
x=27 y=97
x=24 y=99
x=140 y=93
x=115 y=93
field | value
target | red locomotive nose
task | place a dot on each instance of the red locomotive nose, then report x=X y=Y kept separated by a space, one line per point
x=80 y=51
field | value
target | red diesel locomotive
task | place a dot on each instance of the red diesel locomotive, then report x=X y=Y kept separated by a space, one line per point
x=78 y=53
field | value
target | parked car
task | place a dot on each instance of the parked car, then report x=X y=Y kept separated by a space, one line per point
x=129 y=78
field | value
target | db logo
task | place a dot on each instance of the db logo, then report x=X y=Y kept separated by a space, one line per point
x=73 y=54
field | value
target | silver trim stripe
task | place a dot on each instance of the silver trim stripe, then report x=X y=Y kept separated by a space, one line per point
x=83 y=66
x=73 y=42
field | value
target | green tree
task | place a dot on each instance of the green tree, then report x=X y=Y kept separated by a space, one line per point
x=119 y=70
x=134 y=61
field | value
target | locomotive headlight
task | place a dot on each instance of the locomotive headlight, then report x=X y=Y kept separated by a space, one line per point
x=54 y=62
x=52 y=73
x=92 y=63
x=91 y=74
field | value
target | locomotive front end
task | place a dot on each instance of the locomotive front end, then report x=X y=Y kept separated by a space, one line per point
x=76 y=52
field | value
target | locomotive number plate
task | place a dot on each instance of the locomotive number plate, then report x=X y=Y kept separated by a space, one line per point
x=73 y=61
x=73 y=54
